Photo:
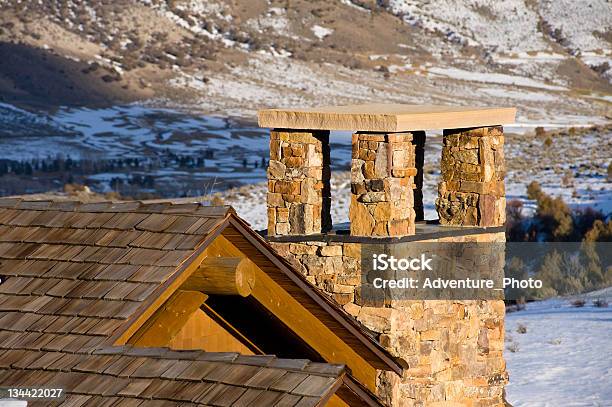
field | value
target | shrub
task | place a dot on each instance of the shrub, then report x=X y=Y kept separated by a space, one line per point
x=539 y=131
x=553 y=214
x=521 y=329
x=600 y=303
x=534 y=190
x=513 y=347
x=217 y=201
x=548 y=142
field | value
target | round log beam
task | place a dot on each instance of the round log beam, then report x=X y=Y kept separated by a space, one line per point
x=222 y=276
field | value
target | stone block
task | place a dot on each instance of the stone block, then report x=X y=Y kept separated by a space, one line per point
x=371 y=197
x=287 y=187
x=376 y=318
x=282 y=214
x=294 y=162
x=358 y=188
x=276 y=169
x=330 y=251
x=352 y=309
x=282 y=229
x=381 y=229
x=352 y=250
x=376 y=185
x=275 y=200
x=271 y=216
x=382 y=211
x=302 y=249
x=368 y=170
x=382 y=164
x=362 y=222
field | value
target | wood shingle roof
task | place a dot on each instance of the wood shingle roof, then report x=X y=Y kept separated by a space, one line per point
x=74 y=275
x=157 y=376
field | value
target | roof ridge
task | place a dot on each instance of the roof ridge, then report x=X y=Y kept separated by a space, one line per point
x=169 y=206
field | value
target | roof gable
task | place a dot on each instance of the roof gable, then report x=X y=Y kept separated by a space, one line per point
x=78 y=277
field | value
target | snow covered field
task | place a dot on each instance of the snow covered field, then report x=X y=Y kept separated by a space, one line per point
x=574 y=167
x=565 y=356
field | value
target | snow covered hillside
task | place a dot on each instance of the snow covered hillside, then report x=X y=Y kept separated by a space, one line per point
x=564 y=357
x=551 y=58
x=188 y=154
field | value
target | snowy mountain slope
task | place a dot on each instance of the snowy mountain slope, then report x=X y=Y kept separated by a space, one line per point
x=243 y=55
x=563 y=358
x=509 y=25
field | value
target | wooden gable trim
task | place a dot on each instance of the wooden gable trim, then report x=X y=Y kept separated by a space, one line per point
x=168 y=320
x=303 y=321
x=355 y=394
x=375 y=353
x=166 y=289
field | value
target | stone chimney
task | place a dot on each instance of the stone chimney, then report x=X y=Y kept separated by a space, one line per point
x=453 y=348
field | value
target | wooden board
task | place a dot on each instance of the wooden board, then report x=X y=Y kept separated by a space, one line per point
x=385 y=117
x=168 y=320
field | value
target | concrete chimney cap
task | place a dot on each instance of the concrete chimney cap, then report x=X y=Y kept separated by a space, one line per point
x=382 y=117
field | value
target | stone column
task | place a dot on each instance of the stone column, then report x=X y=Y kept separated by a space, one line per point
x=382 y=183
x=299 y=195
x=471 y=192
x=418 y=139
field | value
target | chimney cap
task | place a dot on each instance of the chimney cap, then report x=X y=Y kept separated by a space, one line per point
x=381 y=117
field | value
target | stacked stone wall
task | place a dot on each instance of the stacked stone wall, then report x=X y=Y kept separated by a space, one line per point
x=471 y=192
x=383 y=169
x=453 y=347
x=299 y=195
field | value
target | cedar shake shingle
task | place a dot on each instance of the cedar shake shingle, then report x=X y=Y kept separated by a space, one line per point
x=74 y=273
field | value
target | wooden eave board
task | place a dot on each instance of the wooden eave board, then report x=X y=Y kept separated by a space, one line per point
x=385 y=117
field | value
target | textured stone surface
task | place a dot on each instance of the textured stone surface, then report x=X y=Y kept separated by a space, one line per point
x=298 y=183
x=453 y=348
x=471 y=192
x=382 y=179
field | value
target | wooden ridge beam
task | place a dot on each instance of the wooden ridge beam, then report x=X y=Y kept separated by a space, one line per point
x=222 y=276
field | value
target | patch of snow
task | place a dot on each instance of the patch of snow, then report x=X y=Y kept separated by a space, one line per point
x=497 y=25
x=519 y=95
x=498 y=78
x=321 y=32
x=276 y=20
x=561 y=359
x=579 y=21
x=355 y=6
